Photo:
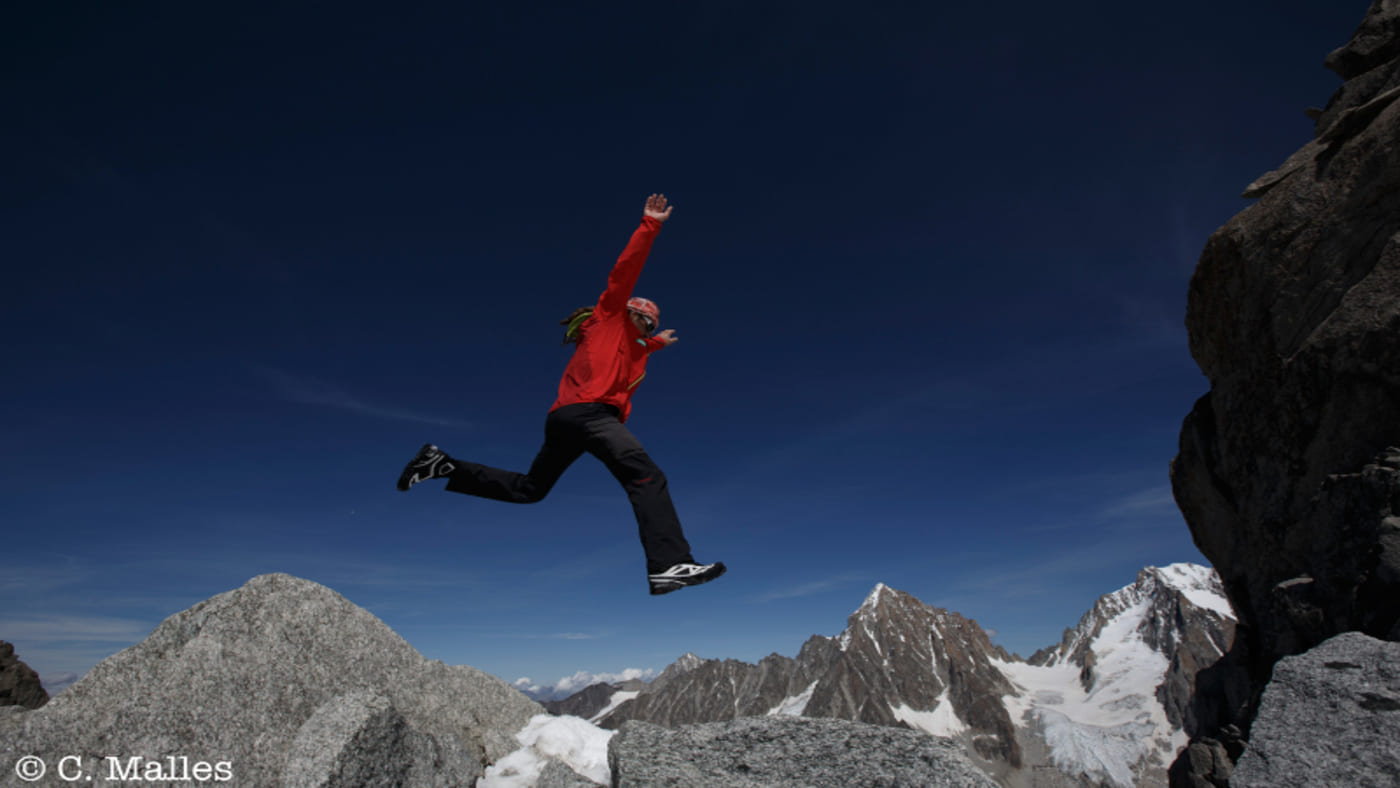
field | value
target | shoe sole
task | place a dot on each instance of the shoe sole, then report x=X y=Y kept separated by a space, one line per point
x=698 y=580
x=409 y=477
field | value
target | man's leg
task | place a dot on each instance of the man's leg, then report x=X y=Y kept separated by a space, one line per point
x=657 y=523
x=562 y=445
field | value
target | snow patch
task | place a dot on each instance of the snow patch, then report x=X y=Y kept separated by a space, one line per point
x=1198 y=583
x=795 y=705
x=618 y=698
x=871 y=637
x=581 y=746
x=942 y=721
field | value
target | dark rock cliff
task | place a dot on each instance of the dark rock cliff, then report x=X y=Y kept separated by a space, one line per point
x=19 y=684
x=1287 y=472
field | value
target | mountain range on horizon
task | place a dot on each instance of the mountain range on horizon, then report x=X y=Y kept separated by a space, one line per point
x=1104 y=706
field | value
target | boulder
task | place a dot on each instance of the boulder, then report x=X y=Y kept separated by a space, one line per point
x=281 y=681
x=359 y=739
x=1330 y=717
x=787 y=751
x=1203 y=764
x=557 y=774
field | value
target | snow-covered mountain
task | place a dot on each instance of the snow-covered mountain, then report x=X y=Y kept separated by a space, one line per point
x=1107 y=703
x=1102 y=707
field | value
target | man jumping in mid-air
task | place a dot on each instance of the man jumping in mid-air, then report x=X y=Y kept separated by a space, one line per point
x=595 y=397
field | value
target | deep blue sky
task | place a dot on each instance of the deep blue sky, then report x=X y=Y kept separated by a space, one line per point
x=928 y=267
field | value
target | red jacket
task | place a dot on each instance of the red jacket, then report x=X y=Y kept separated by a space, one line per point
x=611 y=357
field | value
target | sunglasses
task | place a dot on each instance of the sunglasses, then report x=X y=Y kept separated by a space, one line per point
x=647 y=321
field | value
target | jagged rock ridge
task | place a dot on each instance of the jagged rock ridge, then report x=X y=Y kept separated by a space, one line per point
x=902 y=663
x=898 y=661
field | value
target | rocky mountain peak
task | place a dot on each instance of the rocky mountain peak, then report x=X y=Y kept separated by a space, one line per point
x=876 y=595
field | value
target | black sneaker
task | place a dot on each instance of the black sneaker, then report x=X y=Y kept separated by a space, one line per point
x=430 y=463
x=682 y=575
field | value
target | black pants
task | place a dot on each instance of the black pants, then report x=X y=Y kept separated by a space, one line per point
x=570 y=431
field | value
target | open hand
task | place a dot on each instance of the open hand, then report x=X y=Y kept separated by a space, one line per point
x=657 y=208
x=668 y=336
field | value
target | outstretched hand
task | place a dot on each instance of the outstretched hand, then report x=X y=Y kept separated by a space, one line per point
x=668 y=336
x=657 y=208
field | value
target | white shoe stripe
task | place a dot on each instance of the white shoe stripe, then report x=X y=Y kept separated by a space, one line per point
x=682 y=571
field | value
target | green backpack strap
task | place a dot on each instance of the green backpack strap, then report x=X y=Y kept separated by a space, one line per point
x=571 y=333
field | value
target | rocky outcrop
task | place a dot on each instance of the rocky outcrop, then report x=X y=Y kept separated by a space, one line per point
x=1330 y=717
x=279 y=682
x=1288 y=473
x=786 y=751
x=19 y=684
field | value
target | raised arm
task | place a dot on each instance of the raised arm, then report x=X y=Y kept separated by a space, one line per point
x=629 y=265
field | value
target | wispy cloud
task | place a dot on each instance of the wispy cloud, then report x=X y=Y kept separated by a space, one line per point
x=808 y=589
x=606 y=559
x=43 y=579
x=1154 y=500
x=551 y=635
x=1045 y=575
x=584 y=678
x=306 y=390
x=68 y=629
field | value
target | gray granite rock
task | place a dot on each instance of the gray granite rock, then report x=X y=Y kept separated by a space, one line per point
x=360 y=739
x=1330 y=717
x=787 y=751
x=276 y=668
x=556 y=774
